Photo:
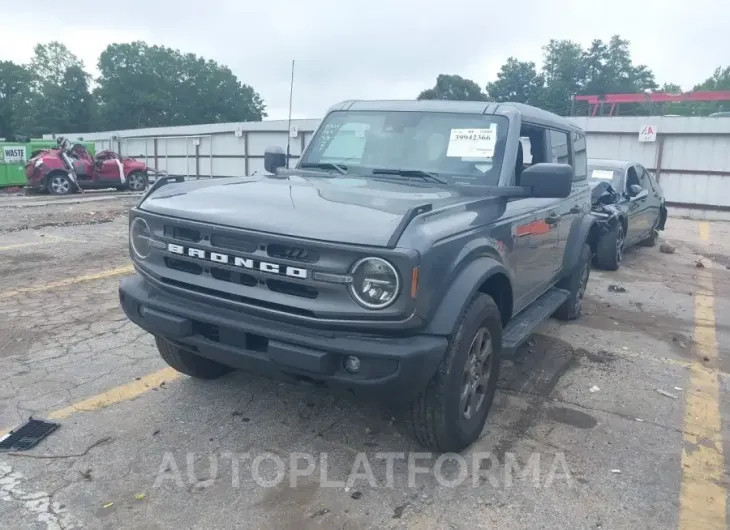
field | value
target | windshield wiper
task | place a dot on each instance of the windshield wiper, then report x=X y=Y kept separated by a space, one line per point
x=417 y=173
x=325 y=165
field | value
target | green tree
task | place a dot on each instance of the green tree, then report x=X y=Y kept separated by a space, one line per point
x=50 y=62
x=15 y=96
x=519 y=82
x=609 y=69
x=564 y=72
x=454 y=87
x=719 y=80
x=149 y=86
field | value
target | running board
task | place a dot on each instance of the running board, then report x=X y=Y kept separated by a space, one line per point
x=522 y=326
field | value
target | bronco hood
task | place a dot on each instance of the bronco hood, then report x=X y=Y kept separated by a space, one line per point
x=347 y=209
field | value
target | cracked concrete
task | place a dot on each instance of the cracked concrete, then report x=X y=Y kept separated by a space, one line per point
x=68 y=343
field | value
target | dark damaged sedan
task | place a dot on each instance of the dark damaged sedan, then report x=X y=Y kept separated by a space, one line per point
x=630 y=206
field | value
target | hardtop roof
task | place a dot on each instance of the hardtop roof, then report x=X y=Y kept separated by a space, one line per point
x=528 y=112
x=609 y=163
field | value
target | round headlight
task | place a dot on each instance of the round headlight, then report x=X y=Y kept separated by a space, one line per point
x=140 y=237
x=375 y=283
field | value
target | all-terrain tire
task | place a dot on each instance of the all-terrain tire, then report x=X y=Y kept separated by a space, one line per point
x=576 y=285
x=436 y=418
x=610 y=248
x=189 y=363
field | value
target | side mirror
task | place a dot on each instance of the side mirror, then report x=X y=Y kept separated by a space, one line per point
x=274 y=158
x=638 y=194
x=548 y=181
x=634 y=190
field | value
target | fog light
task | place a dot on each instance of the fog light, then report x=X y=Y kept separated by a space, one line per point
x=352 y=364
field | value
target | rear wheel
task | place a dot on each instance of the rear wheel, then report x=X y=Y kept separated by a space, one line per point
x=189 y=363
x=59 y=184
x=610 y=248
x=451 y=412
x=652 y=239
x=136 y=181
x=576 y=284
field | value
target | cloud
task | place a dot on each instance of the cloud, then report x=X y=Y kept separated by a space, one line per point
x=379 y=48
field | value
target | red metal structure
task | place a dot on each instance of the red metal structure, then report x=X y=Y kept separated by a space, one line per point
x=651 y=97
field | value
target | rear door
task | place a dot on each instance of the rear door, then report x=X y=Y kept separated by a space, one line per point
x=653 y=200
x=570 y=148
x=635 y=207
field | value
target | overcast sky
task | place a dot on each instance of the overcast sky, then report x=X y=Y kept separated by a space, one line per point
x=374 y=48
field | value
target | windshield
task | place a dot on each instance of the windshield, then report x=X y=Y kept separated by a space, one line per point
x=605 y=174
x=463 y=149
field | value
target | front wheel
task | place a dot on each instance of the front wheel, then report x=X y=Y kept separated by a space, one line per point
x=610 y=248
x=450 y=414
x=59 y=184
x=575 y=284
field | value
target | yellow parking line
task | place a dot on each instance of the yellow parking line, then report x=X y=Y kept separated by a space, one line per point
x=115 y=395
x=702 y=500
x=69 y=281
x=119 y=394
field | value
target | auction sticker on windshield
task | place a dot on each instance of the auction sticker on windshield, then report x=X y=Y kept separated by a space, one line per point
x=602 y=174
x=472 y=143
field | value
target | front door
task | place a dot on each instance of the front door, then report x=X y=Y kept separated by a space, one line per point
x=534 y=250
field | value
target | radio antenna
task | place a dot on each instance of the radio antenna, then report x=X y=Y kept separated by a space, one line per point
x=291 y=92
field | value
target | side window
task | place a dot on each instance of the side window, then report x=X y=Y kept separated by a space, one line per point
x=647 y=180
x=580 y=158
x=560 y=148
x=643 y=177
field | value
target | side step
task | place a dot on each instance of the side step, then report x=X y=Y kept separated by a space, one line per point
x=521 y=327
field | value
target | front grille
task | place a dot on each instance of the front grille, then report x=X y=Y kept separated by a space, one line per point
x=297 y=254
x=237 y=298
x=246 y=248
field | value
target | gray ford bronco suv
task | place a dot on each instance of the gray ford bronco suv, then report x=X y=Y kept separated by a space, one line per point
x=414 y=244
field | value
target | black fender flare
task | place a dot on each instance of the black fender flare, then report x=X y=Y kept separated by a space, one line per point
x=460 y=292
x=580 y=232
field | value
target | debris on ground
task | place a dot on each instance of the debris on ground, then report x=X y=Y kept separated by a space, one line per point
x=356 y=495
x=706 y=359
x=615 y=471
x=666 y=248
x=639 y=419
x=86 y=474
x=27 y=435
x=140 y=496
x=678 y=388
x=667 y=394
x=699 y=264
x=108 y=505
x=593 y=389
x=613 y=288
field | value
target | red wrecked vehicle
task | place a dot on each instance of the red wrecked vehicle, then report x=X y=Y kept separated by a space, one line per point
x=69 y=169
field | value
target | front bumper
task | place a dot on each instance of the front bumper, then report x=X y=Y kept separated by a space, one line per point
x=395 y=369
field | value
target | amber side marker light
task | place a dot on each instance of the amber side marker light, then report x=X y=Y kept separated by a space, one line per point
x=414 y=282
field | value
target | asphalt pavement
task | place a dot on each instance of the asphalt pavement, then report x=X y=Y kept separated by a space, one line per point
x=617 y=420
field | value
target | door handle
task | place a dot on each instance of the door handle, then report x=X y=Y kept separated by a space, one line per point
x=576 y=209
x=552 y=219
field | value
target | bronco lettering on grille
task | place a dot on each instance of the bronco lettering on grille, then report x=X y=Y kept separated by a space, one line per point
x=237 y=261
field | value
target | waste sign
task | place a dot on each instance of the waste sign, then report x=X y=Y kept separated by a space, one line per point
x=13 y=154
